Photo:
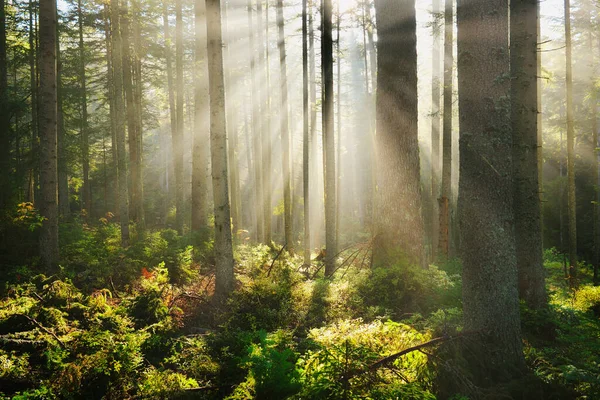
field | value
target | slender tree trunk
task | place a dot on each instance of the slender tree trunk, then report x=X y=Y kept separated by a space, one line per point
x=117 y=63
x=5 y=183
x=285 y=130
x=329 y=139
x=312 y=78
x=178 y=137
x=444 y=201
x=83 y=128
x=48 y=204
x=138 y=101
x=399 y=220
x=572 y=206
x=201 y=124
x=490 y=283
x=224 y=281
x=339 y=169
x=259 y=134
x=111 y=105
x=34 y=101
x=435 y=130
x=305 y=134
x=172 y=191
x=528 y=235
x=63 y=179
x=267 y=144
x=596 y=146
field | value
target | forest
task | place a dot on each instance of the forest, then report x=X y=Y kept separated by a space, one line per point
x=299 y=199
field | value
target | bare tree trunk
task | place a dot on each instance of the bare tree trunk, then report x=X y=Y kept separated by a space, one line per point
x=172 y=112
x=399 y=220
x=34 y=101
x=444 y=201
x=329 y=139
x=83 y=129
x=596 y=145
x=486 y=215
x=138 y=101
x=224 y=282
x=63 y=179
x=178 y=137
x=572 y=206
x=48 y=204
x=305 y=134
x=117 y=63
x=5 y=183
x=267 y=144
x=338 y=183
x=523 y=59
x=201 y=124
x=285 y=130
x=435 y=130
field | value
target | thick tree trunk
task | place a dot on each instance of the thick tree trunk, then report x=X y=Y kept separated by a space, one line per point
x=572 y=204
x=435 y=130
x=4 y=118
x=117 y=63
x=528 y=235
x=48 y=204
x=285 y=130
x=596 y=146
x=444 y=201
x=399 y=220
x=201 y=124
x=328 y=138
x=83 y=128
x=224 y=281
x=485 y=209
x=305 y=134
x=178 y=137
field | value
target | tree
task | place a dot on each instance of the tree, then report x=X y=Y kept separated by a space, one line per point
x=571 y=199
x=170 y=89
x=435 y=129
x=444 y=201
x=224 y=280
x=48 y=115
x=485 y=208
x=201 y=126
x=523 y=60
x=399 y=221
x=4 y=116
x=178 y=137
x=328 y=137
x=117 y=63
x=285 y=130
x=305 y=134
x=85 y=145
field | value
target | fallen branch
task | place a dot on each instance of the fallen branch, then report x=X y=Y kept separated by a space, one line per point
x=41 y=327
x=391 y=358
x=275 y=259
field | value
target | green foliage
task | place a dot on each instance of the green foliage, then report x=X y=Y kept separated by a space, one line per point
x=157 y=384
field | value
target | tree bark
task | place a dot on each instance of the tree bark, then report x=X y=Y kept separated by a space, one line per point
x=328 y=138
x=48 y=204
x=83 y=128
x=178 y=137
x=117 y=63
x=399 y=219
x=435 y=130
x=528 y=234
x=305 y=134
x=224 y=281
x=485 y=208
x=4 y=118
x=571 y=199
x=201 y=124
x=172 y=111
x=267 y=142
x=64 y=208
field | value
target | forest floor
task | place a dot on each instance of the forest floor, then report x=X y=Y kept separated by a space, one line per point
x=139 y=323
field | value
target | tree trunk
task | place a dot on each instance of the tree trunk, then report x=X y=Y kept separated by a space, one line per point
x=137 y=96
x=596 y=174
x=285 y=130
x=178 y=137
x=485 y=209
x=528 y=235
x=201 y=124
x=399 y=220
x=328 y=137
x=444 y=201
x=338 y=183
x=48 y=204
x=64 y=208
x=83 y=128
x=572 y=206
x=435 y=130
x=117 y=63
x=172 y=112
x=305 y=134
x=4 y=118
x=267 y=144
x=224 y=281
x=111 y=104
x=34 y=101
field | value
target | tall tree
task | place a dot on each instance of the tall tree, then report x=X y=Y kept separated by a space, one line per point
x=63 y=179
x=170 y=89
x=178 y=137
x=435 y=128
x=267 y=144
x=33 y=82
x=83 y=128
x=571 y=199
x=4 y=116
x=399 y=220
x=48 y=204
x=328 y=137
x=201 y=126
x=224 y=280
x=305 y=134
x=444 y=201
x=285 y=130
x=485 y=208
x=523 y=65
x=117 y=63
